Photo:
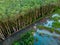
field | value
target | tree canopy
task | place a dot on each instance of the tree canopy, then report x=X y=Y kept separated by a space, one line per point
x=11 y=8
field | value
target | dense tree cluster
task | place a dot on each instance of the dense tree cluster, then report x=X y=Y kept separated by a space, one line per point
x=11 y=8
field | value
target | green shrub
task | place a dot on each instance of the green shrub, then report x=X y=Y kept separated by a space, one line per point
x=26 y=39
x=56 y=24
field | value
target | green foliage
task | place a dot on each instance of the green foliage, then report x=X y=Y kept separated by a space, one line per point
x=17 y=43
x=56 y=24
x=57 y=10
x=25 y=39
x=56 y=18
x=57 y=31
x=11 y=8
x=49 y=29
